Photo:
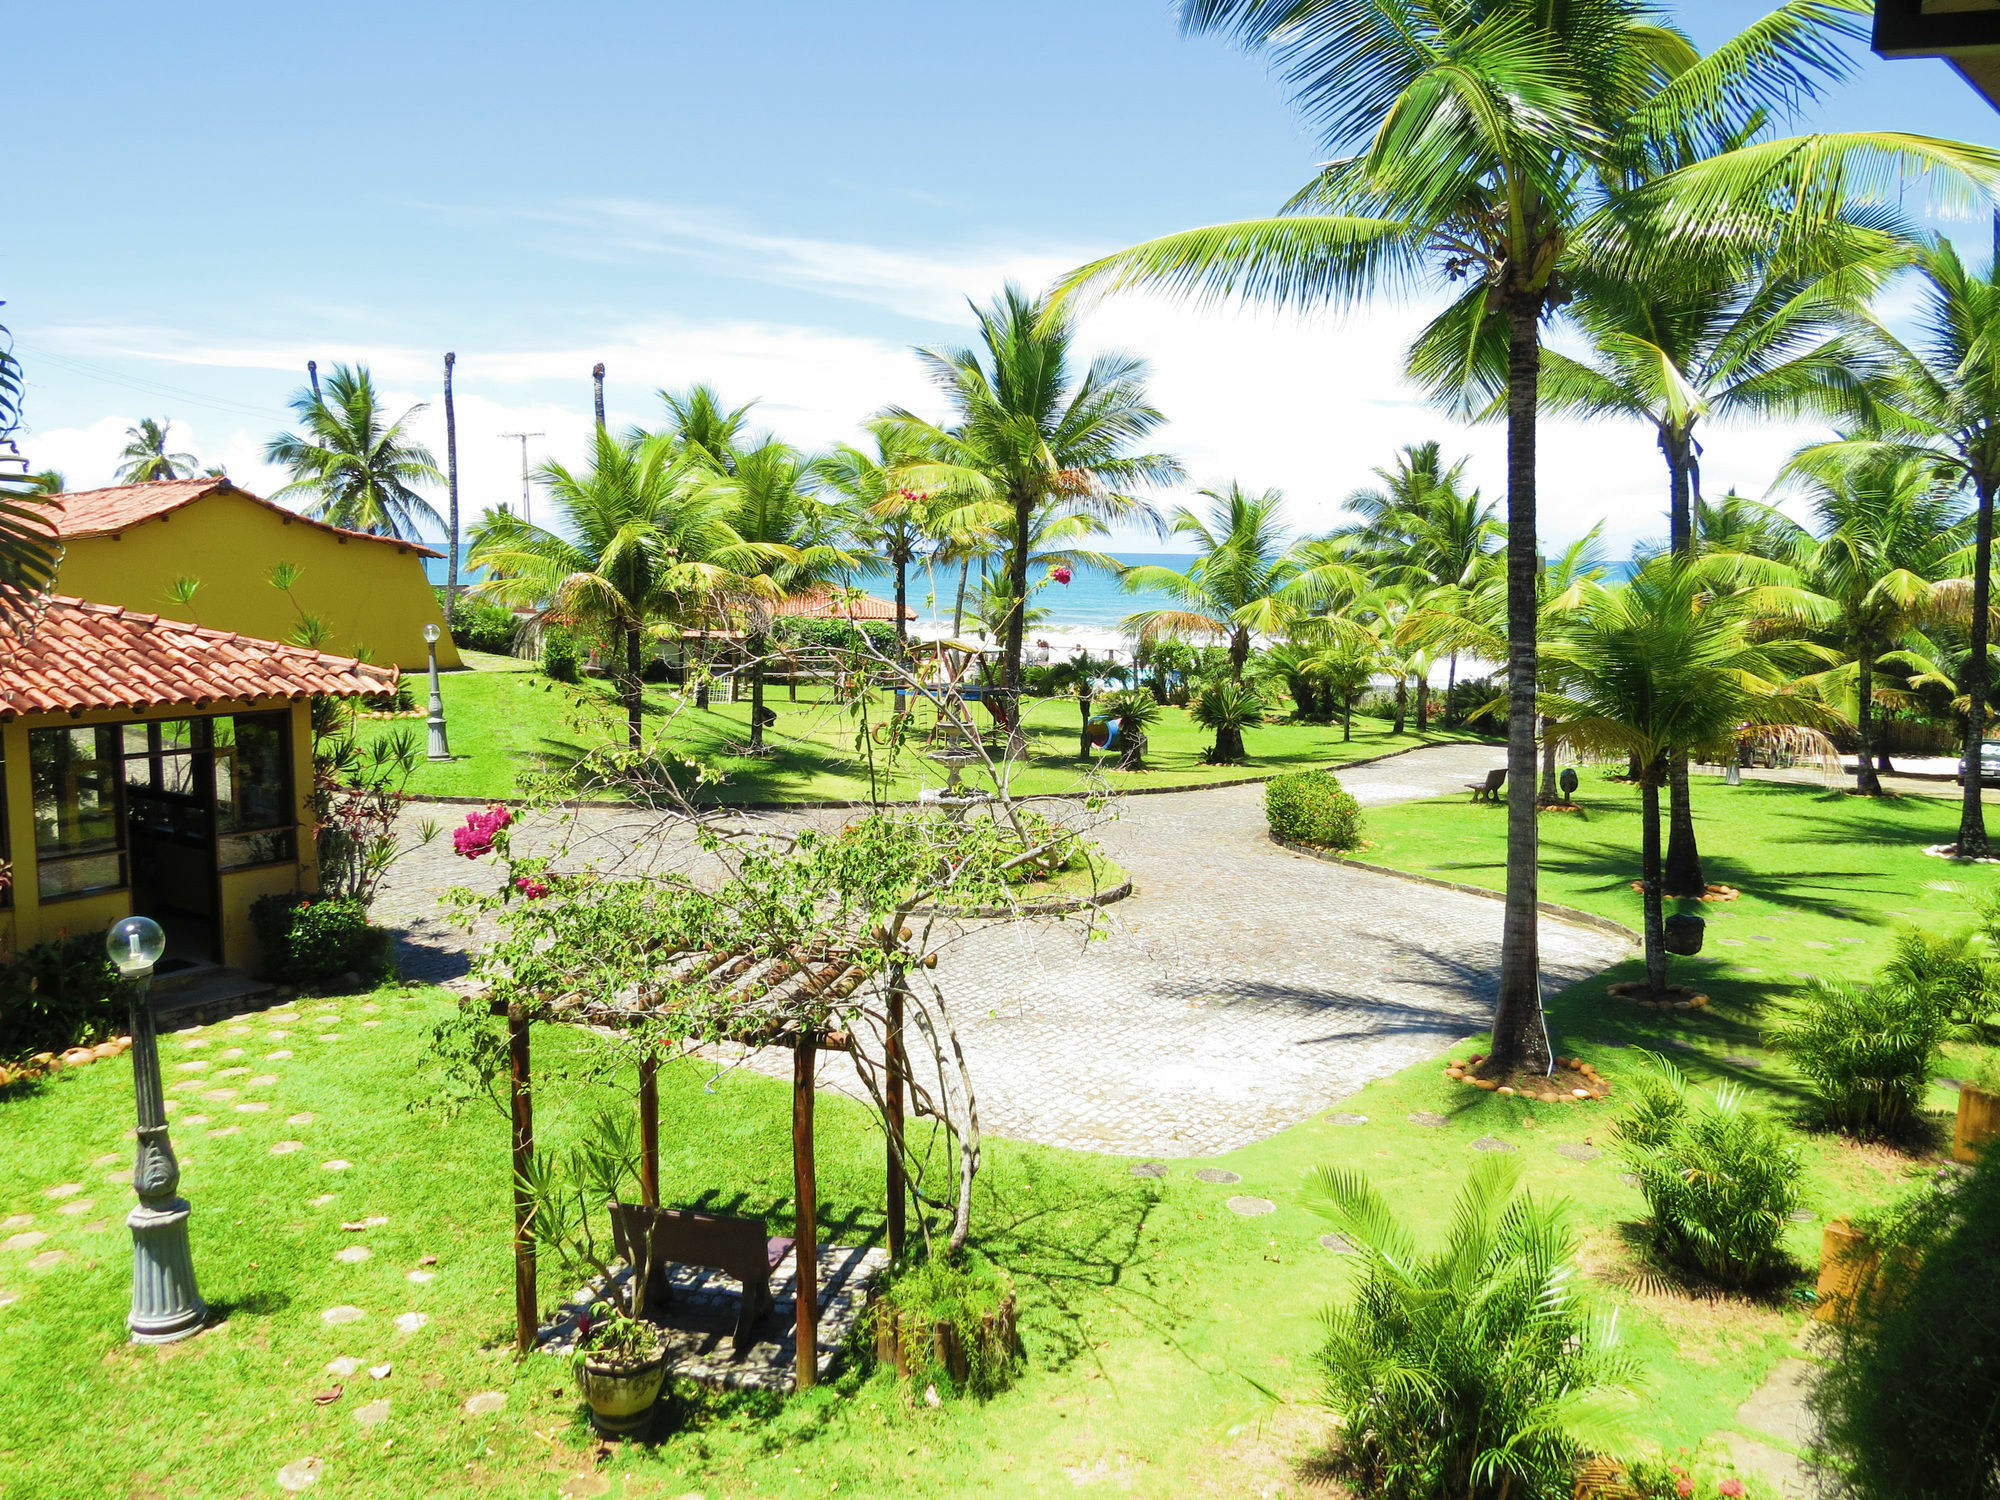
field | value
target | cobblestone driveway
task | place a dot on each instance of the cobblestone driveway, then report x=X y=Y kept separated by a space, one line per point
x=1241 y=988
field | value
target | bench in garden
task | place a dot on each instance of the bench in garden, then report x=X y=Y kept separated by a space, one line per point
x=742 y=1248
x=1489 y=789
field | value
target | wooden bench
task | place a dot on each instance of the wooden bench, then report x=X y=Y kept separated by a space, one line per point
x=1489 y=789
x=742 y=1248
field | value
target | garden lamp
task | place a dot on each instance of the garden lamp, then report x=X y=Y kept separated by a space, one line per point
x=165 y=1303
x=440 y=747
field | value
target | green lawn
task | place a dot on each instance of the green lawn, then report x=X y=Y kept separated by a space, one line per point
x=1169 y=1340
x=505 y=719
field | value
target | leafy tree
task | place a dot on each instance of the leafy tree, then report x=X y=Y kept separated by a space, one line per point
x=353 y=466
x=1228 y=706
x=893 y=523
x=1748 y=527
x=1030 y=434
x=1492 y=149
x=700 y=422
x=144 y=457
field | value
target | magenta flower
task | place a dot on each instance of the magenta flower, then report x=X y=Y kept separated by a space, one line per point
x=1731 y=1487
x=533 y=889
x=476 y=837
x=1060 y=573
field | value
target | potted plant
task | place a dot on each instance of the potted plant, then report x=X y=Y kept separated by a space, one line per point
x=620 y=1359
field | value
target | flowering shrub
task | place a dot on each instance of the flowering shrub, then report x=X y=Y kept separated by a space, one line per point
x=530 y=887
x=476 y=838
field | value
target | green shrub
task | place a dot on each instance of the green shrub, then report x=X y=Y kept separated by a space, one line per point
x=1227 y=707
x=560 y=658
x=976 y=1300
x=482 y=625
x=1907 y=1408
x=1719 y=1180
x=1868 y=1051
x=1473 y=1371
x=309 y=941
x=60 y=994
x=1309 y=807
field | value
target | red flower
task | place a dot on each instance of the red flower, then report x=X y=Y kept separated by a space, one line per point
x=1683 y=1488
x=476 y=837
x=1060 y=573
x=1732 y=1487
x=533 y=889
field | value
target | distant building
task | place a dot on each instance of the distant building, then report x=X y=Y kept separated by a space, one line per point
x=828 y=604
x=129 y=543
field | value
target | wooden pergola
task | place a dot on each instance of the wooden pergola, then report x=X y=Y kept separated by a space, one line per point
x=760 y=996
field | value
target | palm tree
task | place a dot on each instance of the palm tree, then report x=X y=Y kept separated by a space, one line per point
x=1673 y=663
x=1736 y=523
x=699 y=420
x=1940 y=394
x=768 y=494
x=1031 y=434
x=1246 y=579
x=633 y=543
x=30 y=550
x=1494 y=146
x=1893 y=532
x=354 y=467
x=145 y=459
x=893 y=523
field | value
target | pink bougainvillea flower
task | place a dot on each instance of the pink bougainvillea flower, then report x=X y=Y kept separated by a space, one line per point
x=533 y=889
x=1060 y=573
x=476 y=837
x=1731 y=1487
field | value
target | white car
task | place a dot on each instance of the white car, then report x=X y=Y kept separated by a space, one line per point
x=1989 y=764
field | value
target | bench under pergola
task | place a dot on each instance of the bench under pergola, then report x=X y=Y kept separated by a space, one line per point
x=758 y=998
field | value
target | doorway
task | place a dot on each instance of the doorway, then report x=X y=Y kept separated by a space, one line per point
x=170 y=832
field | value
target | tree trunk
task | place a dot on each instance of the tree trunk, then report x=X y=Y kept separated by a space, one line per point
x=597 y=380
x=1684 y=876
x=755 y=645
x=1650 y=881
x=701 y=666
x=1972 y=807
x=1402 y=696
x=1451 y=693
x=902 y=595
x=1866 y=781
x=1083 y=701
x=1423 y=702
x=1520 y=1037
x=451 y=484
x=634 y=698
x=1550 y=793
x=1017 y=622
x=1239 y=653
x=1346 y=719
x=958 y=605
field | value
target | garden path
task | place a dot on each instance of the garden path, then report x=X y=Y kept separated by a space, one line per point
x=1238 y=991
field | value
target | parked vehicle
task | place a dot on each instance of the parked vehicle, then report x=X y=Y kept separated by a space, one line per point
x=1989 y=764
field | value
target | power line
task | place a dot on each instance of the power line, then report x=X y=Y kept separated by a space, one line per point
x=143 y=386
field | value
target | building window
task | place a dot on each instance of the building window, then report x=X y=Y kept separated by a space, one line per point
x=254 y=820
x=79 y=832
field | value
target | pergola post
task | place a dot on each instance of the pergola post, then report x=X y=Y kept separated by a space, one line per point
x=892 y=1049
x=649 y=1125
x=805 y=1247
x=526 y=1313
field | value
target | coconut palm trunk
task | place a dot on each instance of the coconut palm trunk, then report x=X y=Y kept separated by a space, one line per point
x=1684 y=876
x=1402 y=698
x=1972 y=810
x=902 y=601
x=1017 y=620
x=451 y=483
x=1423 y=703
x=1651 y=880
x=1451 y=693
x=755 y=646
x=958 y=604
x=1520 y=1039
x=1866 y=781
x=634 y=696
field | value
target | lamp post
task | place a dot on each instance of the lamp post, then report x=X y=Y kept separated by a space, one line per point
x=165 y=1303
x=440 y=746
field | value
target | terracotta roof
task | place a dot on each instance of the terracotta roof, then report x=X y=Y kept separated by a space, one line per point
x=824 y=604
x=95 y=656
x=101 y=512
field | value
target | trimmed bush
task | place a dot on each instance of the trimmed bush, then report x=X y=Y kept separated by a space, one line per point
x=1868 y=1050
x=482 y=625
x=1309 y=807
x=561 y=660
x=57 y=995
x=1719 y=1179
x=305 y=940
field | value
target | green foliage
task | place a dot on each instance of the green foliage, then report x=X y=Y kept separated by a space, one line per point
x=835 y=635
x=974 y=1298
x=1719 y=1179
x=1953 y=969
x=1907 y=1408
x=482 y=625
x=305 y=940
x=1868 y=1050
x=1474 y=1370
x=351 y=463
x=569 y=1194
x=561 y=660
x=1309 y=807
x=57 y=995
x=1227 y=707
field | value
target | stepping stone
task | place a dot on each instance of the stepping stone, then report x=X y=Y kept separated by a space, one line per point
x=1857 y=942
x=1217 y=1175
x=238 y=1031
x=1339 y=1244
x=286 y=1148
x=78 y=1206
x=322 y=1200
x=335 y=1316
x=354 y=1254
x=485 y=1403
x=108 y=1159
x=1630 y=1179
x=63 y=1190
x=1801 y=1216
x=17 y=1221
x=1577 y=1151
x=263 y=1080
x=420 y=1277
x=299 y=1474
x=329 y=1036
x=220 y=1096
x=252 y=1109
x=47 y=1259
x=185 y=1120
x=410 y=1322
x=8 y=1299
x=231 y=1052
x=26 y=1241
x=191 y=1043
x=196 y=1066
x=279 y=1056
x=278 y=1036
x=374 y=1414
x=96 y=1225
x=1762 y=938
x=1252 y=1208
x=1827 y=946
x=232 y=1073
x=1732 y=942
x=343 y=1367
x=1493 y=1143
x=1742 y=1060
x=370 y=1008
x=1802 y=974
x=298 y=1119
x=1345 y=1119
x=1149 y=1169
x=223 y=1130
x=1428 y=1120
x=336 y=1165
x=119 y=1176
x=371 y=1023
x=1681 y=1043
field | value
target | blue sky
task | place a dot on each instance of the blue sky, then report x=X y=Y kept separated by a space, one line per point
x=778 y=197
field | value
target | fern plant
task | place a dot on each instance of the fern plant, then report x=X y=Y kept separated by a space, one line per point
x=1474 y=1370
x=1868 y=1050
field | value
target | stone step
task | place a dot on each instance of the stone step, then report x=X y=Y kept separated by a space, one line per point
x=208 y=996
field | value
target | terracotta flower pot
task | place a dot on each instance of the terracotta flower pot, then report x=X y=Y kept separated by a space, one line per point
x=621 y=1392
x=1978 y=1122
x=1847 y=1266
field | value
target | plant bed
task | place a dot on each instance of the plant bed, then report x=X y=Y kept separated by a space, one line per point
x=1573 y=1081
x=1978 y=1122
x=1675 y=996
x=956 y=1326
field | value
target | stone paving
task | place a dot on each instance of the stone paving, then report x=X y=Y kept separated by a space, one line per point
x=1241 y=989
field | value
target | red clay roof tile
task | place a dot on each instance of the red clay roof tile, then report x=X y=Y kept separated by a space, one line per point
x=81 y=513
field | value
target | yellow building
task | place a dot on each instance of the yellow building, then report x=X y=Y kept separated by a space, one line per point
x=128 y=544
x=158 y=768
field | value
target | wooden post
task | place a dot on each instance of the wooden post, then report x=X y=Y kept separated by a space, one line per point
x=805 y=1247
x=526 y=1313
x=892 y=1049
x=649 y=1125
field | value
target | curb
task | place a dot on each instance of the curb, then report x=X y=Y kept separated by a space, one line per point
x=849 y=806
x=1061 y=908
x=1554 y=909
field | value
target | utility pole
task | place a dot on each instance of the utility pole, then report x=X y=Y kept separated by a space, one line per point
x=451 y=479
x=312 y=374
x=524 y=436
